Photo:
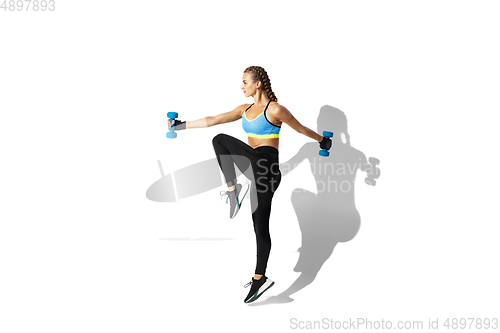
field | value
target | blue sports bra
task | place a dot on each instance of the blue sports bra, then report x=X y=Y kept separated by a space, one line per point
x=260 y=127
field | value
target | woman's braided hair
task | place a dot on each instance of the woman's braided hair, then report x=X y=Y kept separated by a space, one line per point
x=259 y=74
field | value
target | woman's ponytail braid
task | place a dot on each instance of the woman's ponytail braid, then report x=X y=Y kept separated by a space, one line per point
x=260 y=74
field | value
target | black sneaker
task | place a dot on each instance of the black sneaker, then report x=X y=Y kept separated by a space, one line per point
x=258 y=288
x=235 y=198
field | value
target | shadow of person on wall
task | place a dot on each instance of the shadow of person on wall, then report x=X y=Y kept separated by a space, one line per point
x=330 y=215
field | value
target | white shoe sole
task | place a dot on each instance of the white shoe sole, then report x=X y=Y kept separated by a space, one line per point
x=241 y=196
x=243 y=192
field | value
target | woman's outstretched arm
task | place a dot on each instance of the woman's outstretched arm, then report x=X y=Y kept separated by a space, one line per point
x=222 y=118
x=282 y=114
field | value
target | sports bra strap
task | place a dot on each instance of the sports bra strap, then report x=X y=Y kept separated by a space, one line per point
x=266 y=108
x=267 y=105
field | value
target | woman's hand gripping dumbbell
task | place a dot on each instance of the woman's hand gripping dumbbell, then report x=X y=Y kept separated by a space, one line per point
x=174 y=124
x=325 y=144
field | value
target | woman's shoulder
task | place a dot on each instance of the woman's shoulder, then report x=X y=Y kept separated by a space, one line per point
x=276 y=108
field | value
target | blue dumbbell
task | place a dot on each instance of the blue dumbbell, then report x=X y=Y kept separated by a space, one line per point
x=324 y=152
x=171 y=134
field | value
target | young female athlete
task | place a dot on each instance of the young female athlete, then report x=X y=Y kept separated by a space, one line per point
x=262 y=122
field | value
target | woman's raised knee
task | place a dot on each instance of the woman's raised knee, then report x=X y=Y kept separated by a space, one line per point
x=218 y=138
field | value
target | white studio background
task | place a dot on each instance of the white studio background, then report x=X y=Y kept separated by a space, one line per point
x=84 y=93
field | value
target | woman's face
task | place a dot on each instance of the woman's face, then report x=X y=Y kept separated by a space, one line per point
x=248 y=86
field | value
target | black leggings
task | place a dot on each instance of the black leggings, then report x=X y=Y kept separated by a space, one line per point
x=261 y=166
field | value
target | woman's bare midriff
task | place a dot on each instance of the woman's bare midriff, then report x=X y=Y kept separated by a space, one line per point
x=256 y=142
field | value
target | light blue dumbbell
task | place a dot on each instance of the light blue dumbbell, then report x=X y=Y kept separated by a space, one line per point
x=324 y=152
x=171 y=134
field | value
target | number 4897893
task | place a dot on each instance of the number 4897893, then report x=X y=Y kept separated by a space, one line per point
x=26 y=5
